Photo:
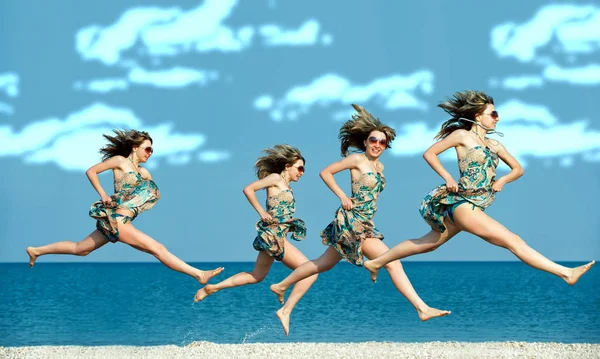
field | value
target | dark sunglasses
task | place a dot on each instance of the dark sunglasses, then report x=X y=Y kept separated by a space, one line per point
x=493 y=114
x=149 y=150
x=300 y=168
x=382 y=141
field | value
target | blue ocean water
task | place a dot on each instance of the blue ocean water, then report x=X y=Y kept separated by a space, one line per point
x=148 y=304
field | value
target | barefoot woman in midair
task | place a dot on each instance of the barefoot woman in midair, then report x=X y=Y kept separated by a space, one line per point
x=456 y=207
x=135 y=192
x=281 y=165
x=352 y=233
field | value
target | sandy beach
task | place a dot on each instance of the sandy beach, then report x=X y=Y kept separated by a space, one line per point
x=315 y=350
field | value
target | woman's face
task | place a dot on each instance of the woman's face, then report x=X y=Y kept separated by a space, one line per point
x=144 y=151
x=489 y=118
x=375 y=144
x=296 y=170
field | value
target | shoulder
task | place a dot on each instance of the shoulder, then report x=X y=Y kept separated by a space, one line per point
x=355 y=157
x=273 y=177
x=496 y=145
x=459 y=134
x=118 y=159
x=272 y=180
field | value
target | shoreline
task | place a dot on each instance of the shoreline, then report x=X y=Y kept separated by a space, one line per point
x=315 y=350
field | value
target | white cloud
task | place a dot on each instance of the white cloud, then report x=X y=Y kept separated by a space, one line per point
x=391 y=92
x=212 y=156
x=103 y=85
x=520 y=83
x=574 y=28
x=176 y=77
x=173 y=78
x=200 y=29
x=556 y=40
x=160 y=32
x=307 y=34
x=263 y=102
x=73 y=143
x=41 y=133
x=530 y=131
x=518 y=111
x=588 y=75
x=326 y=39
x=6 y=108
x=107 y=43
x=9 y=84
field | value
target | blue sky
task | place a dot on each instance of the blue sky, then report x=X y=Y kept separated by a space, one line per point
x=215 y=82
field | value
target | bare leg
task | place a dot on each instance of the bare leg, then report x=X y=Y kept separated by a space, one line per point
x=373 y=247
x=324 y=263
x=260 y=271
x=143 y=242
x=84 y=247
x=427 y=243
x=480 y=224
x=293 y=259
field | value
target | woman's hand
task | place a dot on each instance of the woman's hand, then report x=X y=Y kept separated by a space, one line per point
x=498 y=185
x=347 y=203
x=265 y=217
x=107 y=201
x=451 y=185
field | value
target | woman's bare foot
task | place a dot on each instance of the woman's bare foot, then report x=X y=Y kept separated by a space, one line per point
x=204 y=292
x=206 y=275
x=280 y=293
x=284 y=318
x=432 y=313
x=577 y=272
x=32 y=256
x=373 y=269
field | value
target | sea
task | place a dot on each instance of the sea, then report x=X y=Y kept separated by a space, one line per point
x=145 y=304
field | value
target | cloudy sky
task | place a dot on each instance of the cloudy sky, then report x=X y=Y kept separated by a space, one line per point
x=217 y=81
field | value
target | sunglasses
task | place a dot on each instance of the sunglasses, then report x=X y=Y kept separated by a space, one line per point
x=373 y=140
x=299 y=168
x=493 y=114
x=149 y=150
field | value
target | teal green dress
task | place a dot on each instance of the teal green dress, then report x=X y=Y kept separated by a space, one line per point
x=477 y=174
x=132 y=193
x=271 y=236
x=349 y=229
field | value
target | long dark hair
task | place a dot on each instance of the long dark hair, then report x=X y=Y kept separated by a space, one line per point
x=275 y=160
x=354 y=132
x=121 y=144
x=467 y=104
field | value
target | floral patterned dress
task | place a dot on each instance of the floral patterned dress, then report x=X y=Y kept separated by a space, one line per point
x=349 y=229
x=271 y=235
x=133 y=193
x=477 y=174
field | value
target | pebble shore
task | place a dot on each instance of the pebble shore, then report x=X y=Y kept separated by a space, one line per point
x=314 y=350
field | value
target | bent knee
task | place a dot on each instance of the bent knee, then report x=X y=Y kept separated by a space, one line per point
x=257 y=277
x=430 y=247
x=515 y=244
x=158 y=250
x=325 y=267
x=82 y=251
x=425 y=246
x=393 y=265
